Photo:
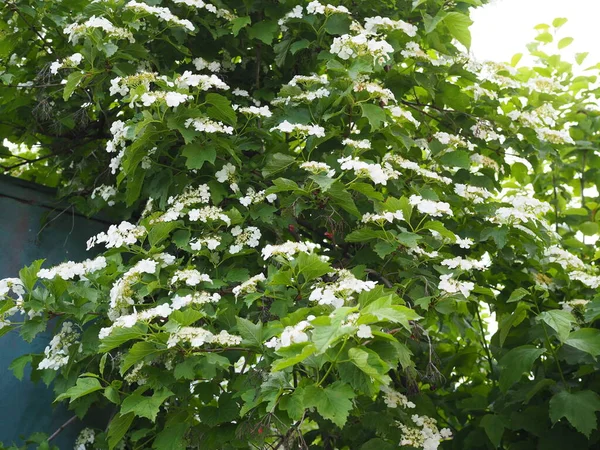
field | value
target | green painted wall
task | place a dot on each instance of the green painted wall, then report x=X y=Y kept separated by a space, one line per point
x=24 y=406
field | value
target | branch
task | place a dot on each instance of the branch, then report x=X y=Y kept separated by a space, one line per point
x=38 y=34
x=62 y=427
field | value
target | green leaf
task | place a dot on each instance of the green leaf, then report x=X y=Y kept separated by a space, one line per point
x=299 y=45
x=517 y=362
x=293 y=356
x=370 y=363
x=323 y=336
x=252 y=334
x=338 y=24
x=121 y=335
x=18 y=365
x=145 y=406
x=589 y=228
x=365 y=235
x=311 y=266
x=559 y=22
x=494 y=428
x=238 y=23
x=84 y=386
x=134 y=186
x=221 y=108
x=332 y=403
x=264 y=31
x=559 y=320
x=586 y=339
x=544 y=37
x=172 y=437
x=118 y=428
x=342 y=198
x=579 y=58
x=382 y=310
x=517 y=295
x=579 y=408
x=459 y=24
x=375 y=114
x=161 y=230
x=384 y=248
x=458 y=158
x=438 y=226
x=515 y=59
x=137 y=352
x=73 y=81
x=197 y=154
x=276 y=163
x=565 y=42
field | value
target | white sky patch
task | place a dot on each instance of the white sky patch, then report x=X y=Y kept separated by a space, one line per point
x=504 y=27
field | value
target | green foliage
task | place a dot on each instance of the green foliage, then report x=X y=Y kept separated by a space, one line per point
x=319 y=207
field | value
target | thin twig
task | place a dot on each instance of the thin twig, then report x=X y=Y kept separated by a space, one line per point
x=62 y=427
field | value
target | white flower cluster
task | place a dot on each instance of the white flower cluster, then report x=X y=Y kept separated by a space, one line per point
x=376 y=90
x=197 y=337
x=249 y=285
x=402 y=113
x=295 y=13
x=483 y=129
x=291 y=335
x=129 y=320
x=14 y=285
x=211 y=243
x=479 y=160
x=473 y=193
x=379 y=174
x=119 y=132
x=289 y=249
x=86 y=436
x=70 y=61
x=205 y=125
x=337 y=293
x=413 y=50
x=197 y=298
x=566 y=259
x=464 y=243
x=171 y=98
x=388 y=216
x=362 y=44
x=161 y=13
x=191 y=196
x=302 y=97
x=203 y=82
x=201 y=64
x=106 y=193
x=118 y=235
x=452 y=140
x=227 y=174
x=410 y=165
x=316 y=168
x=362 y=331
x=451 y=285
x=200 y=4
x=554 y=136
x=56 y=354
x=300 y=129
x=250 y=237
x=309 y=79
x=363 y=144
x=394 y=399
x=427 y=437
x=122 y=291
x=316 y=7
x=575 y=304
x=591 y=281
x=191 y=277
x=207 y=213
x=259 y=111
x=431 y=207
x=252 y=197
x=524 y=209
x=468 y=263
x=70 y=269
x=374 y=25
x=76 y=30
x=122 y=85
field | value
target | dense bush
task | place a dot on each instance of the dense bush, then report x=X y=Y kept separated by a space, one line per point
x=321 y=206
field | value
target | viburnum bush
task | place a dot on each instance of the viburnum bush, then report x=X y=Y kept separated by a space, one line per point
x=319 y=206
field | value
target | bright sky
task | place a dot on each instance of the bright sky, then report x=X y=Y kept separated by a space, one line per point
x=503 y=27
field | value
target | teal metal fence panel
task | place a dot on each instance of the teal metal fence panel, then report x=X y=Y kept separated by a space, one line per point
x=34 y=226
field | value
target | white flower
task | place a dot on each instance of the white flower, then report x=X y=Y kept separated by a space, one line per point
x=338 y=292
x=69 y=270
x=249 y=285
x=290 y=335
x=315 y=167
x=208 y=126
x=452 y=286
x=118 y=235
x=431 y=207
x=288 y=249
x=379 y=174
x=191 y=277
x=300 y=129
x=250 y=237
x=364 y=332
x=56 y=354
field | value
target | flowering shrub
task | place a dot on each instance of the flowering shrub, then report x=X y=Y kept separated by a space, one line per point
x=319 y=207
